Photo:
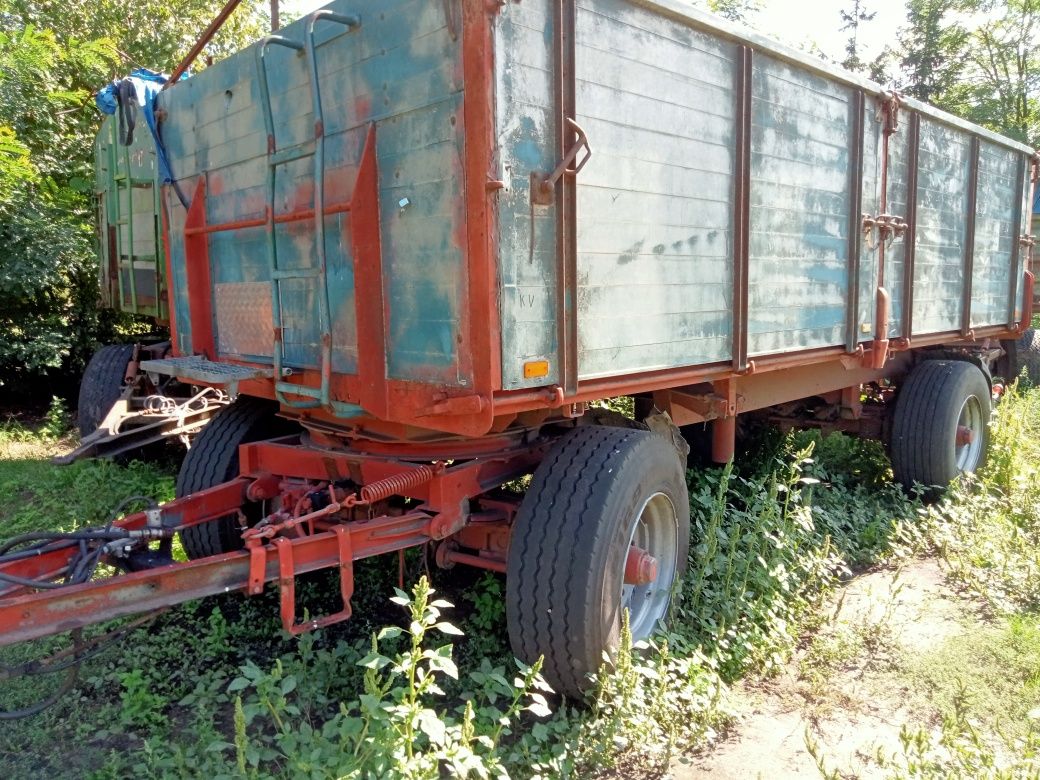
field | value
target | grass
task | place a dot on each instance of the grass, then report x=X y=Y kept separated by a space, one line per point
x=215 y=688
x=47 y=497
x=992 y=674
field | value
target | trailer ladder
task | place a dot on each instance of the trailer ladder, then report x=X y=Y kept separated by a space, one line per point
x=125 y=219
x=321 y=396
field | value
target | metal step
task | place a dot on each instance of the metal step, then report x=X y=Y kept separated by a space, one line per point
x=143 y=184
x=208 y=372
x=290 y=153
x=304 y=273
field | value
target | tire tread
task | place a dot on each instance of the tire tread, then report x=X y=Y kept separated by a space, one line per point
x=102 y=384
x=212 y=459
x=547 y=587
x=922 y=417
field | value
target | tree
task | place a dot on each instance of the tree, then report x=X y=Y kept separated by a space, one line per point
x=45 y=248
x=1002 y=85
x=53 y=56
x=146 y=33
x=933 y=45
x=735 y=10
x=851 y=20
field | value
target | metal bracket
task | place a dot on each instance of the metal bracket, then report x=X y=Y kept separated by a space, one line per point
x=888 y=107
x=542 y=186
x=287 y=583
x=888 y=226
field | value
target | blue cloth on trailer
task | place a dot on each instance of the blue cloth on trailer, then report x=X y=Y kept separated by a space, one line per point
x=145 y=85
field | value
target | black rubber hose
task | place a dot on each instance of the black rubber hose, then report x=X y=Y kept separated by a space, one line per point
x=66 y=686
x=51 y=537
x=14 y=579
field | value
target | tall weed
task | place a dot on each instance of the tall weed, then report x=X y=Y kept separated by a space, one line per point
x=987 y=530
x=759 y=562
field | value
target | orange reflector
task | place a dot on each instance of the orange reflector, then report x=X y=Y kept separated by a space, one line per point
x=536 y=368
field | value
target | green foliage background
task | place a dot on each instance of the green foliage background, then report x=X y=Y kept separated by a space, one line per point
x=53 y=57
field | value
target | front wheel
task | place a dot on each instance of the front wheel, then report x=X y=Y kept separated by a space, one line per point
x=940 y=428
x=604 y=527
x=213 y=459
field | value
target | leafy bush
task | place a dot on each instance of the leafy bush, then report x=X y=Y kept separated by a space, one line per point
x=393 y=730
x=761 y=560
x=53 y=56
x=48 y=292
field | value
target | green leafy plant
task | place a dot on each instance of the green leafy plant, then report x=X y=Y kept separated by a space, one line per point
x=988 y=528
x=57 y=421
x=395 y=729
x=486 y=620
x=961 y=751
x=140 y=705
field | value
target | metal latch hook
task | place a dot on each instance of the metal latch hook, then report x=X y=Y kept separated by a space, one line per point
x=542 y=189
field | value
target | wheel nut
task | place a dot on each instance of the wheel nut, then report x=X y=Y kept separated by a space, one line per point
x=640 y=567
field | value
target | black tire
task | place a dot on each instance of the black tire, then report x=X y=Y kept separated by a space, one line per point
x=925 y=425
x=1027 y=356
x=102 y=384
x=570 y=541
x=213 y=459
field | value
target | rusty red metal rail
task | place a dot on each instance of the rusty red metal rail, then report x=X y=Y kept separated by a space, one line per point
x=200 y=44
x=355 y=524
x=41 y=614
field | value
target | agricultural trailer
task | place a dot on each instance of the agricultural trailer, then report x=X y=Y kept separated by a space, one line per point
x=424 y=239
x=121 y=409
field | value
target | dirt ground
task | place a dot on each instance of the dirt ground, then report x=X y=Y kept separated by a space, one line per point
x=843 y=692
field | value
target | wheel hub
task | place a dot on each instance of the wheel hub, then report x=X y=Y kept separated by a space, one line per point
x=650 y=565
x=640 y=567
x=970 y=435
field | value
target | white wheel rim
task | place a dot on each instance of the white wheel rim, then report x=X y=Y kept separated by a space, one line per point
x=970 y=420
x=656 y=530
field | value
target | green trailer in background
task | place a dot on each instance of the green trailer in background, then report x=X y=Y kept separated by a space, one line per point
x=122 y=409
x=129 y=229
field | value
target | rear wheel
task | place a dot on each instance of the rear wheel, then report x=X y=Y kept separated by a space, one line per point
x=102 y=385
x=941 y=424
x=606 y=508
x=1027 y=356
x=213 y=459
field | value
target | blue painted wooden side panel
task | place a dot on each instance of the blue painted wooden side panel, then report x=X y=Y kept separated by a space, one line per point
x=870 y=204
x=895 y=252
x=654 y=203
x=998 y=188
x=132 y=213
x=526 y=125
x=401 y=69
x=942 y=208
x=655 y=91
x=801 y=128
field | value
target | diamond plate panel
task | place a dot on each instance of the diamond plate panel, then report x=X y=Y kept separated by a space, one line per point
x=202 y=370
x=244 y=322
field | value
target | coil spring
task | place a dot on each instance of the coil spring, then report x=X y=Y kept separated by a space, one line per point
x=384 y=488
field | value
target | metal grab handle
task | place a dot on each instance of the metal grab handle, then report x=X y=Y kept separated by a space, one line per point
x=543 y=191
